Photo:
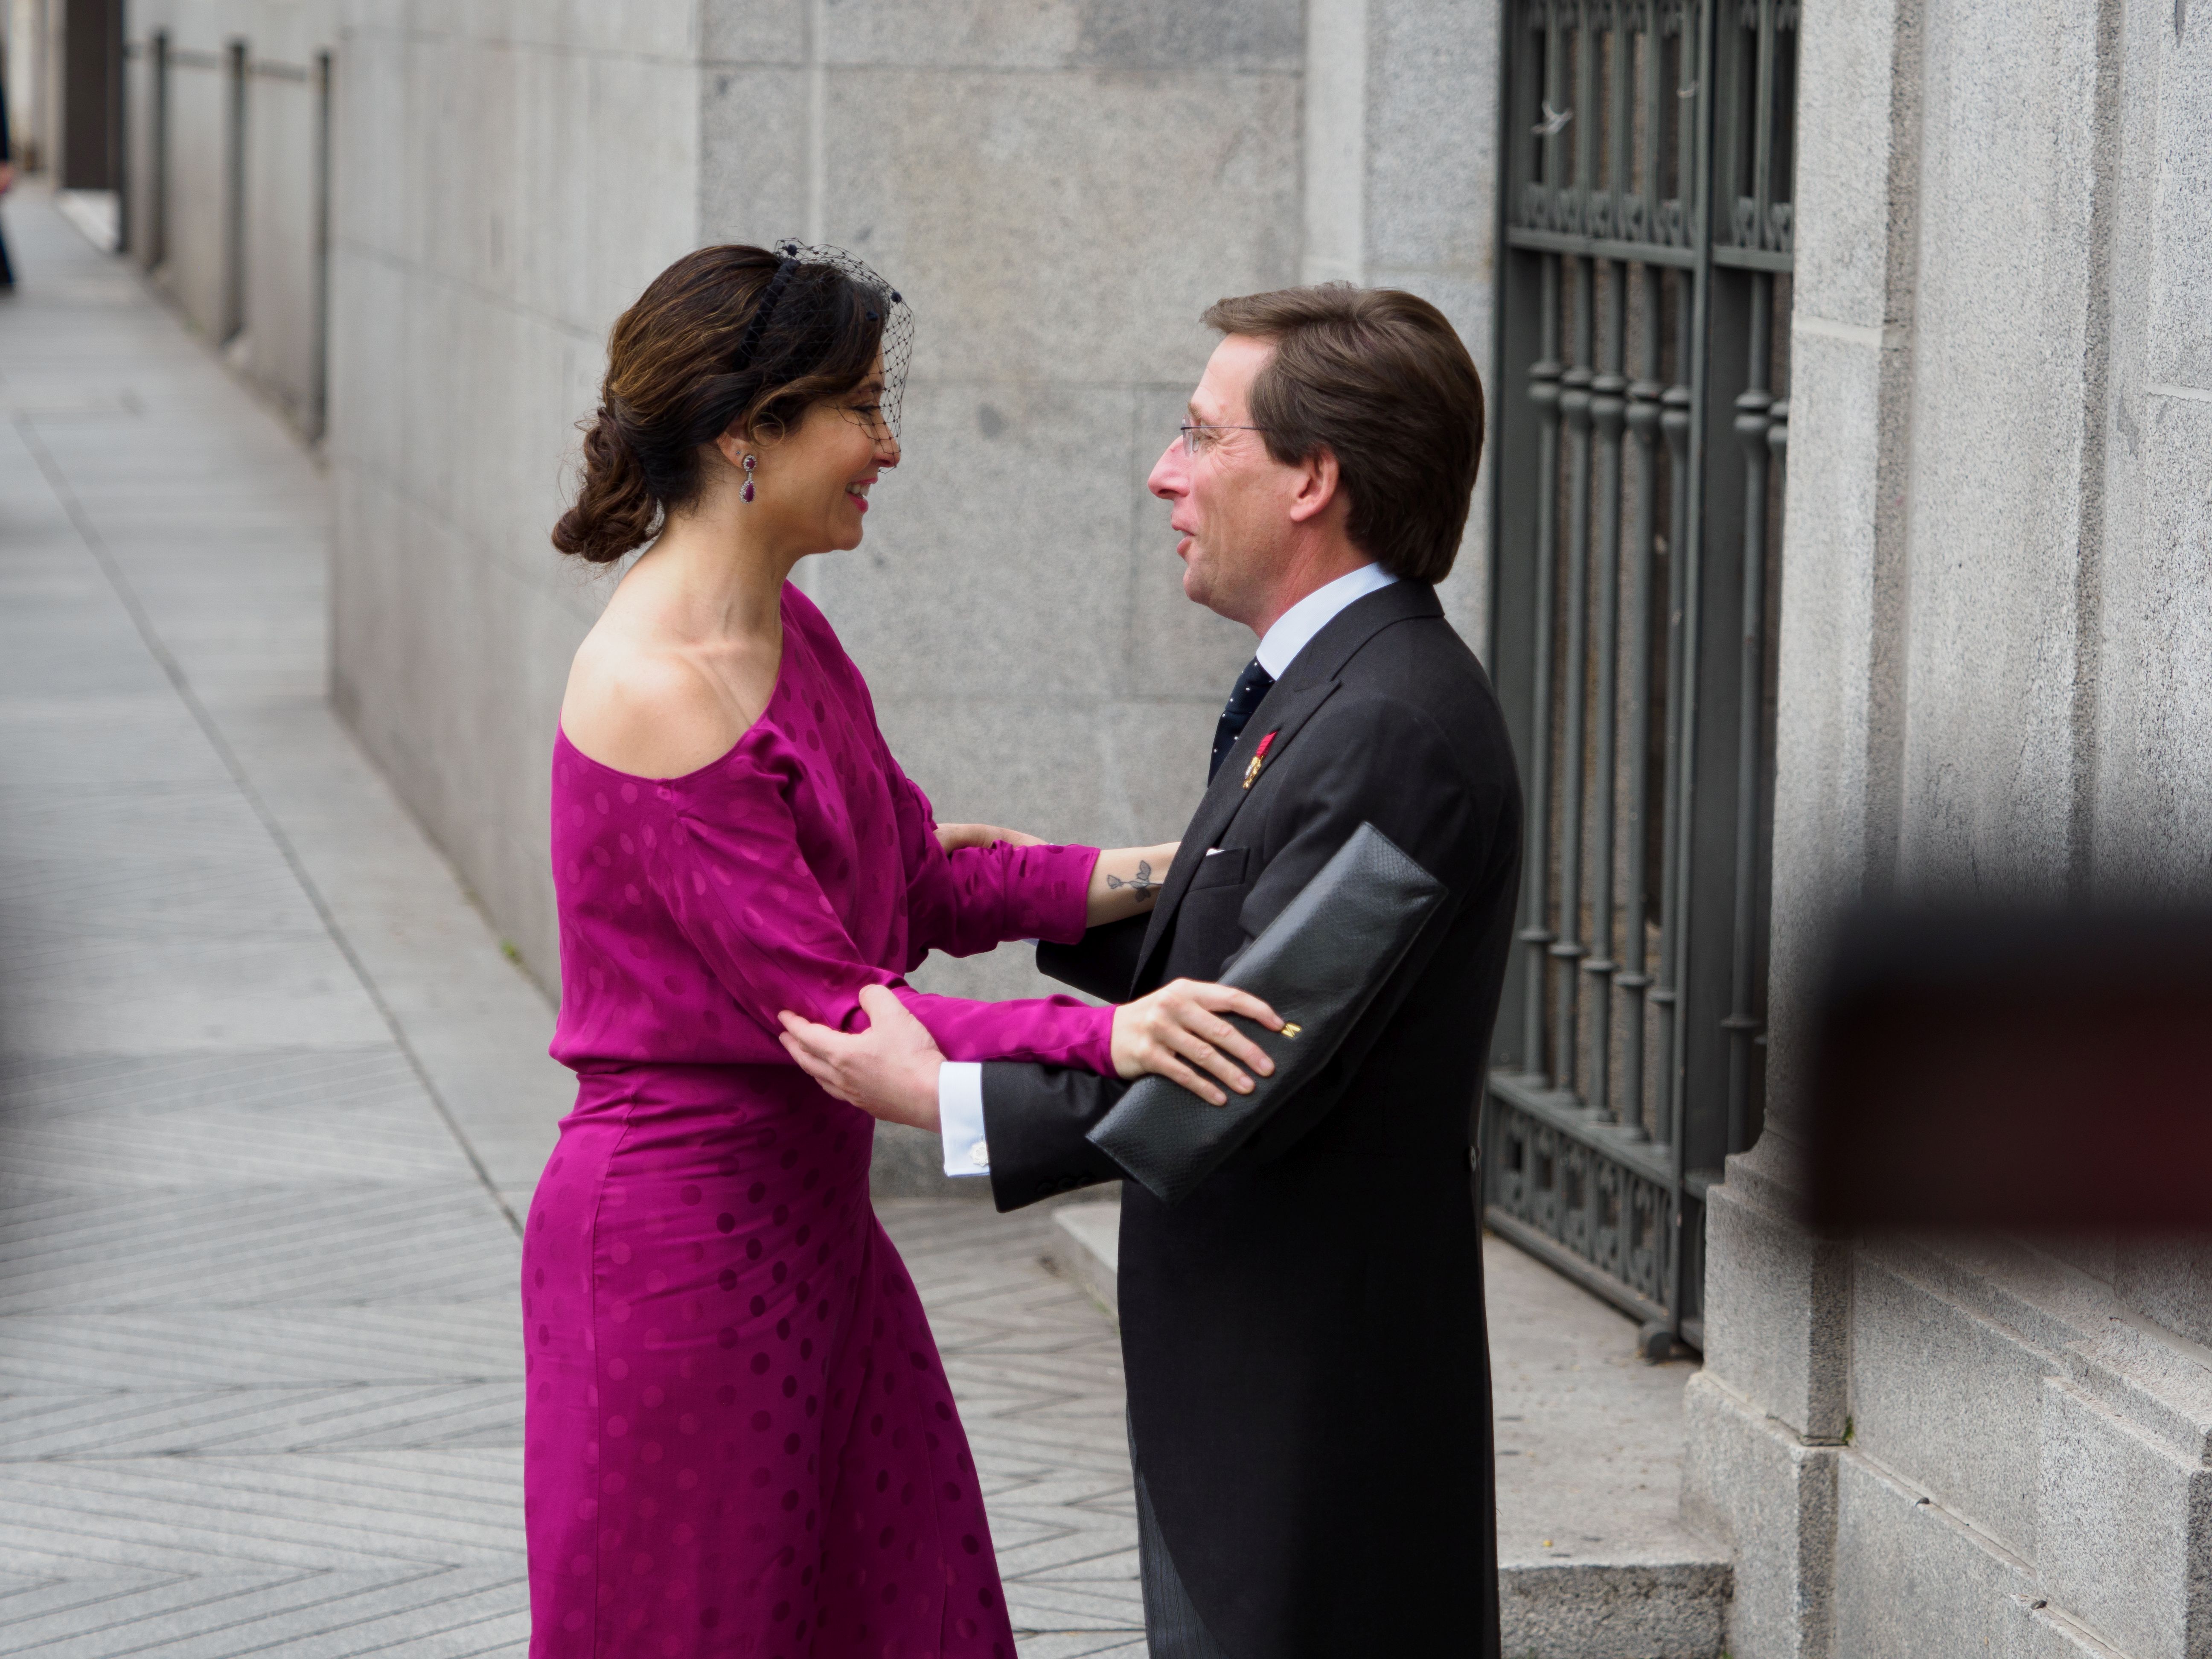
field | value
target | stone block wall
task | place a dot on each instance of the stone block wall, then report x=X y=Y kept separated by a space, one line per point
x=1059 y=188
x=228 y=213
x=285 y=189
x=1058 y=195
x=1993 y=680
x=507 y=179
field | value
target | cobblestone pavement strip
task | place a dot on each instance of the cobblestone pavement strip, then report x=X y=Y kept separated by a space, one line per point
x=269 y=1098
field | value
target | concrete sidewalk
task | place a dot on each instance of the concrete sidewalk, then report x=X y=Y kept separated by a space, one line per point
x=272 y=1097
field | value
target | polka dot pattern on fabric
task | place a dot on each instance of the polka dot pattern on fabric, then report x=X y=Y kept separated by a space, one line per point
x=739 y=1437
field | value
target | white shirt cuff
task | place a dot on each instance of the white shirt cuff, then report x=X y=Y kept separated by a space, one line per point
x=960 y=1117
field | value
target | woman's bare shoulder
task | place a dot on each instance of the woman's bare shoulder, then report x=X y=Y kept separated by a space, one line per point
x=646 y=709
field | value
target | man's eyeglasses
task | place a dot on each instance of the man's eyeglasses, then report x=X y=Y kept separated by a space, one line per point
x=1192 y=442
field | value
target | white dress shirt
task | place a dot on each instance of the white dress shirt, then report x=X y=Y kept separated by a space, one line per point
x=960 y=1083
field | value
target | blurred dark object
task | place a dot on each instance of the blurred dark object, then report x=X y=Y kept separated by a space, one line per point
x=2036 y=1072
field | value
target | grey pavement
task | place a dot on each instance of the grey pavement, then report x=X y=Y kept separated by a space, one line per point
x=271 y=1097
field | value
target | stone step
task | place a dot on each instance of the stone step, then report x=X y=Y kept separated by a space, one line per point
x=1086 y=1242
x=1593 y=1561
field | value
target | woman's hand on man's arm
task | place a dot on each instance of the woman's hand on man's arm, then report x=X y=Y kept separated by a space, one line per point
x=954 y=836
x=1178 y=1032
x=890 y=1071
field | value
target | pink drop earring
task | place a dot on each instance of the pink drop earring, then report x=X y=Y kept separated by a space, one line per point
x=747 y=493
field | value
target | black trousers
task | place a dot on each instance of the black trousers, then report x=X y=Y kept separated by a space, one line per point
x=1173 y=1629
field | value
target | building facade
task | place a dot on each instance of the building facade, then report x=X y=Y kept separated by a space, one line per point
x=472 y=196
x=1993 y=678
x=1980 y=652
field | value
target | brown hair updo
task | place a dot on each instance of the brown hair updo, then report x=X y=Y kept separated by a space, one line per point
x=686 y=364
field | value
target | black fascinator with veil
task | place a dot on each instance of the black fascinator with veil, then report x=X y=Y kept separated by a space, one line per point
x=810 y=301
x=686 y=364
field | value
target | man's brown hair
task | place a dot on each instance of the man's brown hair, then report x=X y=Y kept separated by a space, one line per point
x=1380 y=380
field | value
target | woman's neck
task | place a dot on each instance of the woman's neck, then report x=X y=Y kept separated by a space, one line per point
x=719 y=577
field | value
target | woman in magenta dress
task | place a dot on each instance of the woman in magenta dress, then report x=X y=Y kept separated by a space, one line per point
x=739 y=1437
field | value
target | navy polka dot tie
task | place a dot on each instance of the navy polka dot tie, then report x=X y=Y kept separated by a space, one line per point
x=1251 y=686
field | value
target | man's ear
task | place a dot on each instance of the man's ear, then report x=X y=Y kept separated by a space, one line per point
x=1317 y=486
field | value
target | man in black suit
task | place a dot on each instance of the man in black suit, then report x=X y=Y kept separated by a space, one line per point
x=1308 y=1368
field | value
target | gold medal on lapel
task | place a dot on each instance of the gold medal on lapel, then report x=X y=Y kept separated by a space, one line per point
x=1259 y=754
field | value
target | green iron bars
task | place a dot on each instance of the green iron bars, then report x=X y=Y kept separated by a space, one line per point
x=1642 y=335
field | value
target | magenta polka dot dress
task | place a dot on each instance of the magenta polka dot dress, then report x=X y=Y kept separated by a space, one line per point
x=739 y=1439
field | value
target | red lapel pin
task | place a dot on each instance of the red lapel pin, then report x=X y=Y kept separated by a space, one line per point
x=1258 y=755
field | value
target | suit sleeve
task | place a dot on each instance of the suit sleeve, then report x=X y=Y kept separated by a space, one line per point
x=1359 y=760
x=1103 y=962
x=1035 y=1118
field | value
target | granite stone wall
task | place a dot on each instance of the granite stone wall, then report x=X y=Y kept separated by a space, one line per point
x=226 y=213
x=1993 y=669
x=1059 y=188
x=507 y=179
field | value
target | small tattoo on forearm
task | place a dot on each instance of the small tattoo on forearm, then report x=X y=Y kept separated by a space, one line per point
x=1143 y=887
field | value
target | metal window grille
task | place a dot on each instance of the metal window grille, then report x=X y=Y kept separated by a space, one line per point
x=1643 y=301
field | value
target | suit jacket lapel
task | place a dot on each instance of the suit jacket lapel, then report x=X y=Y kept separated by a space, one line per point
x=1282 y=710
x=1289 y=704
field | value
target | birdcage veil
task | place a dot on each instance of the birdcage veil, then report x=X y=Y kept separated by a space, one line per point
x=809 y=299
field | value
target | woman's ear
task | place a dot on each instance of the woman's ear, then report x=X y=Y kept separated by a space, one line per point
x=733 y=445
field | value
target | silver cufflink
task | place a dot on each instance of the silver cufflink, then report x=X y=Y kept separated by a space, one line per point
x=980 y=1155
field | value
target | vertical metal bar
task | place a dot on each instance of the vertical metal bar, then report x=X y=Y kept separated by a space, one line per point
x=1674 y=427
x=1644 y=420
x=1752 y=424
x=118 y=122
x=1575 y=408
x=157 y=140
x=1544 y=392
x=1608 y=408
x=1568 y=949
x=1691 y=556
x=233 y=321
x=1762 y=103
x=1691 y=74
x=319 y=404
x=1643 y=395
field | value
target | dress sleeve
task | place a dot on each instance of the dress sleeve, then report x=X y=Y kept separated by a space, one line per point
x=744 y=895
x=970 y=901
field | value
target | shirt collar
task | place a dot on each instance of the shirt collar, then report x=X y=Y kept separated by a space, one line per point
x=1281 y=644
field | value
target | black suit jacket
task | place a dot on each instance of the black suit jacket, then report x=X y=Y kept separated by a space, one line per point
x=1308 y=1369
